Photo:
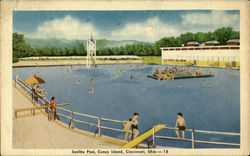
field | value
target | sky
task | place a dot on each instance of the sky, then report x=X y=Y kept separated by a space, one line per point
x=144 y=25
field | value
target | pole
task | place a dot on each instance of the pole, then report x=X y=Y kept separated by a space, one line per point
x=153 y=136
x=193 y=139
x=99 y=126
x=72 y=121
x=16 y=79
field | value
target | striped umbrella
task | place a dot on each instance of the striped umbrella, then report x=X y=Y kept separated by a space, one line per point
x=34 y=80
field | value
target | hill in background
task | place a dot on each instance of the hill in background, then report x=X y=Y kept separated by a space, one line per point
x=64 y=43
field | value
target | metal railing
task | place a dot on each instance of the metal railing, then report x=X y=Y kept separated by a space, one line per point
x=32 y=109
x=71 y=115
x=193 y=136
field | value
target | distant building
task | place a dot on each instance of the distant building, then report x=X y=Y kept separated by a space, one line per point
x=192 y=44
x=233 y=42
x=211 y=43
x=213 y=56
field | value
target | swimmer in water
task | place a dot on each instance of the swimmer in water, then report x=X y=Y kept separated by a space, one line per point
x=78 y=82
x=92 y=81
x=115 y=76
x=203 y=83
x=91 y=90
x=121 y=70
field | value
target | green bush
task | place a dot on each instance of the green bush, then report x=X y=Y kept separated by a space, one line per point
x=15 y=59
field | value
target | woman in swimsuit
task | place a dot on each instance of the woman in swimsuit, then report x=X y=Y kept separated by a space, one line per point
x=52 y=108
x=127 y=128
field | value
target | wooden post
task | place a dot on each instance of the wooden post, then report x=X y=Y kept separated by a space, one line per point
x=99 y=126
x=153 y=136
x=193 y=140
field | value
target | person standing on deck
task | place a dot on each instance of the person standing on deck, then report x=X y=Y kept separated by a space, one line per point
x=127 y=128
x=52 y=108
x=181 y=125
x=134 y=122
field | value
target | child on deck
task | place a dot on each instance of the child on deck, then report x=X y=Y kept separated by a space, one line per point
x=127 y=128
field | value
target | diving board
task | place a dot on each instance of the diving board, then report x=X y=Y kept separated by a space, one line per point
x=143 y=137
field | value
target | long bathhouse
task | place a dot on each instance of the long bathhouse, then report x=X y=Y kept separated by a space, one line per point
x=227 y=56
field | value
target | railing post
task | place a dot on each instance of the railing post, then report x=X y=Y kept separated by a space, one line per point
x=99 y=126
x=193 y=140
x=16 y=79
x=71 y=124
x=153 y=136
x=46 y=104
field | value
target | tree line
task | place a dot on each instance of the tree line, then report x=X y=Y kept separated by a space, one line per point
x=22 y=49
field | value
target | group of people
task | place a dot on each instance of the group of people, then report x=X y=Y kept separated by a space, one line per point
x=52 y=113
x=167 y=74
x=36 y=89
x=170 y=73
x=131 y=127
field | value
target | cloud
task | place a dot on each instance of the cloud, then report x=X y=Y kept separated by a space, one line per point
x=150 y=30
x=213 y=19
x=67 y=27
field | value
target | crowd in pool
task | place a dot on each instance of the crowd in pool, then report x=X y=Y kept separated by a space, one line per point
x=170 y=73
x=130 y=127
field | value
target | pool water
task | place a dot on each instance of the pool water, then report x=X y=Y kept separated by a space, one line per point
x=117 y=95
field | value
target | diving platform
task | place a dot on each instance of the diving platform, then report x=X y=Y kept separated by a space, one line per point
x=143 y=137
x=184 y=76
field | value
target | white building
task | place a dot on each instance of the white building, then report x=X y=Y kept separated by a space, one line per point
x=216 y=56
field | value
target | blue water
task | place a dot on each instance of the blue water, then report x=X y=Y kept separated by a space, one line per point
x=214 y=107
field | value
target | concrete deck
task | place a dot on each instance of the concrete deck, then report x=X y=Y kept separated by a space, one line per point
x=36 y=132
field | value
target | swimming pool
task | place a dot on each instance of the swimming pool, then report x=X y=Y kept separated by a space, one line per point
x=117 y=95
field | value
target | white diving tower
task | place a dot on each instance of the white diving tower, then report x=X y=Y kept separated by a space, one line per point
x=91 y=52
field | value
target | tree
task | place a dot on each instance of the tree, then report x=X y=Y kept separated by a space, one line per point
x=80 y=50
x=19 y=47
x=223 y=34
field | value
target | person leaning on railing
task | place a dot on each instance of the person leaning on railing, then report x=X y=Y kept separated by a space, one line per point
x=52 y=108
x=134 y=125
x=127 y=128
x=181 y=125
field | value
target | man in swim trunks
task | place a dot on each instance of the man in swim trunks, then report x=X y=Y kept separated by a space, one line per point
x=127 y=128
x=134 y=122
x=181 y=125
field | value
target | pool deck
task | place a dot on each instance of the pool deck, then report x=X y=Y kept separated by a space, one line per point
x=36 y=132
x=38 y=63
